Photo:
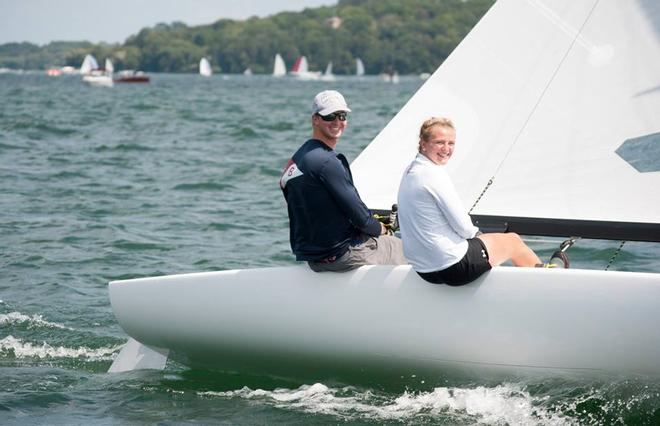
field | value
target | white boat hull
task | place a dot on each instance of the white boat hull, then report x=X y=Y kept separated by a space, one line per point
x=387 y=316
x=98 y=80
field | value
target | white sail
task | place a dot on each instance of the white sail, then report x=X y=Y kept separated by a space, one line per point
x=88 y=65
x=328 y=75
x=304 y=66
x=554 y=101
x=109 y=67
x=359 y=67
x=205 y=67
x=279 y=68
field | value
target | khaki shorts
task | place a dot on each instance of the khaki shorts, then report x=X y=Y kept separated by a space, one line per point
x=382 y=250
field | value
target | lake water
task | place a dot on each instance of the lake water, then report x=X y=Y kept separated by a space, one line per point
x=180 y=175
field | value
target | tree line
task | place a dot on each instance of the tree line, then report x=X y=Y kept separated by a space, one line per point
x=410 y=36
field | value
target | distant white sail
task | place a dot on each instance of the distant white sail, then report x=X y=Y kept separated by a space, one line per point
x=109 y=67
x=279 y=68
x=546 y=97
x=359 y=67
x=88 y=65
x=328 y=75
x=205 y=67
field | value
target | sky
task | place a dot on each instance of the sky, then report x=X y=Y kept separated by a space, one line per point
x=112 y=21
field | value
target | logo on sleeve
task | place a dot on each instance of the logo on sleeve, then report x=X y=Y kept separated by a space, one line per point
x=290 y=171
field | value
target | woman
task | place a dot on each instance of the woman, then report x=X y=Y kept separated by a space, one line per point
x=439 y=239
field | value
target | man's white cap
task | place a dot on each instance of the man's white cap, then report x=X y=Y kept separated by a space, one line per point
x=329 y=101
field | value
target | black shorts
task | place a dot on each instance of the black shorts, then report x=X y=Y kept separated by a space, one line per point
x=469 y=268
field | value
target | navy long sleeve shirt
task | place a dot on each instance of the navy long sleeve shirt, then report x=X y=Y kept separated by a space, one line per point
x=325 y=209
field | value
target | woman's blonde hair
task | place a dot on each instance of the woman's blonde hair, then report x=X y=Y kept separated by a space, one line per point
x=428 y=125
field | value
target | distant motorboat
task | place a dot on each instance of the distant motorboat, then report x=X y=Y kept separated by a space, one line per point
x=66 y=70
x=131 y=76
x=205 y=67
x=279 y=68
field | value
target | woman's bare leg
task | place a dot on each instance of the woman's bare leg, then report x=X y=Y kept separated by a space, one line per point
x=504 y=246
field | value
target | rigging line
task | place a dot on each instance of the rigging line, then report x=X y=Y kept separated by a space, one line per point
x=576 y=38
x=614 y=256
x=490 y=182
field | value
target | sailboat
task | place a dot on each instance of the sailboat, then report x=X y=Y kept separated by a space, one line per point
x=279 y=68
x=390 y=77
x=205 y=67
x=556 y=105
x=88 y=65
x=96 y=76
x=301 y=71
x=328 y=75
x=359 y=67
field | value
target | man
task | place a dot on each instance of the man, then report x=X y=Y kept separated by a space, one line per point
x=330 y=227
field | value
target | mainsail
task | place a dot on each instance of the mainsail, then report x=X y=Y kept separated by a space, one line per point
x=279 y=68
x=556 y=104
x=359 y=67
x=205 y=67
x=88 y=65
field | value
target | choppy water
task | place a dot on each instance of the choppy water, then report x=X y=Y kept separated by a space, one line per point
x=180 y=175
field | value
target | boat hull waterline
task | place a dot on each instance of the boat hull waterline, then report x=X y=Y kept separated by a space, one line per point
x=512 y=318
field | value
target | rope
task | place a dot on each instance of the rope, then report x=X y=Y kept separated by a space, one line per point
x=490 y=182
x=614 y=256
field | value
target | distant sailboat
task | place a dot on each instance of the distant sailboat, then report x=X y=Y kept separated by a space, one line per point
x=301 y=70
x=359 y=67
x=248 y=71
x=205 y=67
x=96 y=76
x=88 y=65
x=279 y=68
x=390 y=77
x=328 y=75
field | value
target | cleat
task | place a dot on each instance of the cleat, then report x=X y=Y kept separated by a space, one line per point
x=559 y=259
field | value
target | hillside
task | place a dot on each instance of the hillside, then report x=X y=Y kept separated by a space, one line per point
x=409 y=36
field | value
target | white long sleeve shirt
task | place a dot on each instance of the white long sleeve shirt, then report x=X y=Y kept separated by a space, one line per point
x=434 y=225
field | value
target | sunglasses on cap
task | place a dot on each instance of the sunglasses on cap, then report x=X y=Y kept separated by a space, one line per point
x=342 y=115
